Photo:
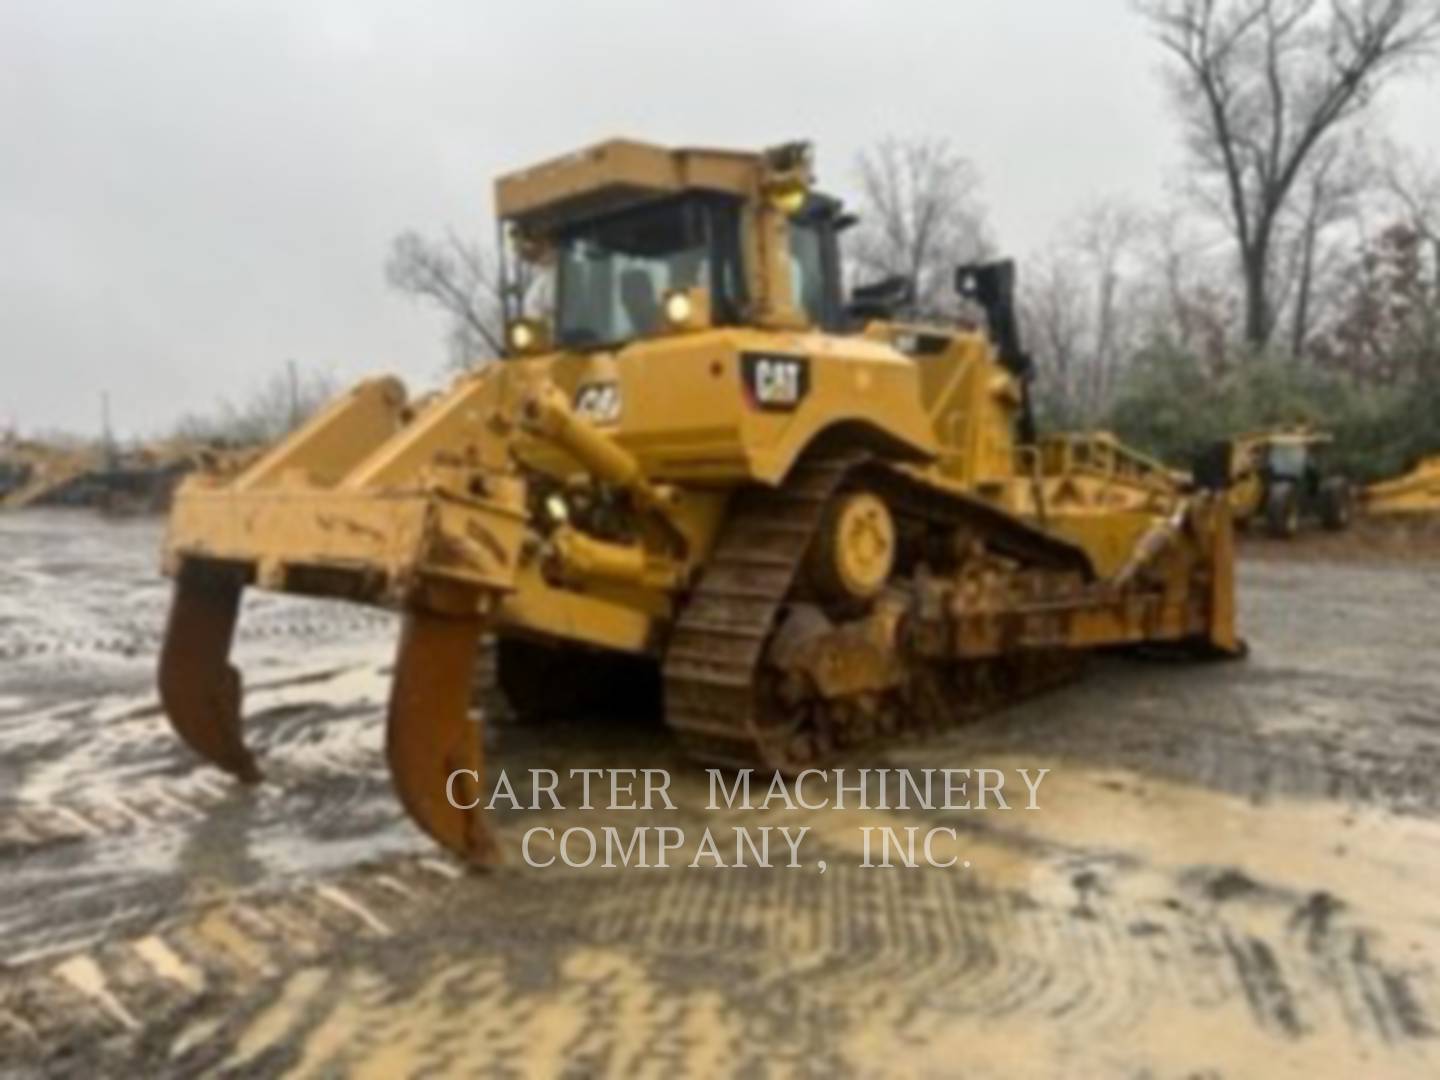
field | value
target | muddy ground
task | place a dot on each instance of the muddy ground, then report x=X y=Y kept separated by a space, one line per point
x=1393 y=540
x=1233 y=870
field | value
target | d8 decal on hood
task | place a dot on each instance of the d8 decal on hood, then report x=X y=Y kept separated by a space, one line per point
x=775 y=382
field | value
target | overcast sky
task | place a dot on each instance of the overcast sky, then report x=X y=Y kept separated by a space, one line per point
x=191 y=193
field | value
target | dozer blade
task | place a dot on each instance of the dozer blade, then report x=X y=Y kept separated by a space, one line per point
x=199 y=688
x=436 y=752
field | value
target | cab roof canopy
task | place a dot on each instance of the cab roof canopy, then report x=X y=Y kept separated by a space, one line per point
x=1291 y=436
x=615 y=174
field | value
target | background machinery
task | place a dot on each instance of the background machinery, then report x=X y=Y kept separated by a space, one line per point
x=140 y=479
x=1415 y=493
x=1279 y=478
x=35 y=474
x=818 y=526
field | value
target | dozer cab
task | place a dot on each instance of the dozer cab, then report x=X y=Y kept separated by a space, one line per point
x=820 y=526
x=1279 y=479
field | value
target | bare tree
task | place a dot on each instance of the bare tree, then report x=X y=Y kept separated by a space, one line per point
x=1330 y=195
x=1413 y=183
x=1189 y=304
x=920 y=216
x=462 y=279
x=1107 y=236
x=1384 y=327
x=1261 y=85
x=275 y=407
x=1081 y=301
x=1053 y=310
x=1413 y=266
x=1387 y=330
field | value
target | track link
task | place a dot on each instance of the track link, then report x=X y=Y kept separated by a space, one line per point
x=714 y=654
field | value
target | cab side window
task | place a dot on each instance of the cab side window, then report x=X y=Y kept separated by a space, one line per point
x=807 y=270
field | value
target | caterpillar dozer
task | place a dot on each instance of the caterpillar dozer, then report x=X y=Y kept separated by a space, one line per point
x=820 y=525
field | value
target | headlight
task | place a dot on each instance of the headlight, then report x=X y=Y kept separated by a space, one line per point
x=686 y=309
x=522 y=336
x=557 y=509
x=678 y=308
x=789 y=198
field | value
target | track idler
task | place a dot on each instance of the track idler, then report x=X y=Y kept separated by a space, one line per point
x=434 y=750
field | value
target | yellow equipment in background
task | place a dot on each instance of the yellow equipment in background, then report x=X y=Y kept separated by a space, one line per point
x=32 y=474
x=820 y=526
x=1277 y=478
x=1417 y=492
x=140 y=479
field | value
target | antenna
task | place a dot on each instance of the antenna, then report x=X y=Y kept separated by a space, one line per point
x=107 y=436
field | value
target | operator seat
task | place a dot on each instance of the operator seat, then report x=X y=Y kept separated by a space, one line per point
x=642 y=307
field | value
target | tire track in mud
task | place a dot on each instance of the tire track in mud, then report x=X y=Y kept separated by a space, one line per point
x=76 y=890
x=254 y=980
x=27 y=827
x=97 y=862
x=1380 y=746
x=105 y=819
x=1090 y=962
x=242 y=966
x=158 y=782
x=141 y=638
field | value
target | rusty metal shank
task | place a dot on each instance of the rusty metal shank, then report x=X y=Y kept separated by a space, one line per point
x=435 y=751
x=199 y=688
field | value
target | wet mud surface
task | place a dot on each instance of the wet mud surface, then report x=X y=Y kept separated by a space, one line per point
x=1233 y=869
x=1394 y=540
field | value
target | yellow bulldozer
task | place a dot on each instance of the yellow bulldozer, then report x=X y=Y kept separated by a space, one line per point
x=819 y=525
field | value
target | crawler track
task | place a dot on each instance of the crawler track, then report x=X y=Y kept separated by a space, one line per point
x=714 y=672
x=716 y=648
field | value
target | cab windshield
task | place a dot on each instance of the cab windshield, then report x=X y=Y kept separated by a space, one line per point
x=612 y=273
x=1288 y=459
